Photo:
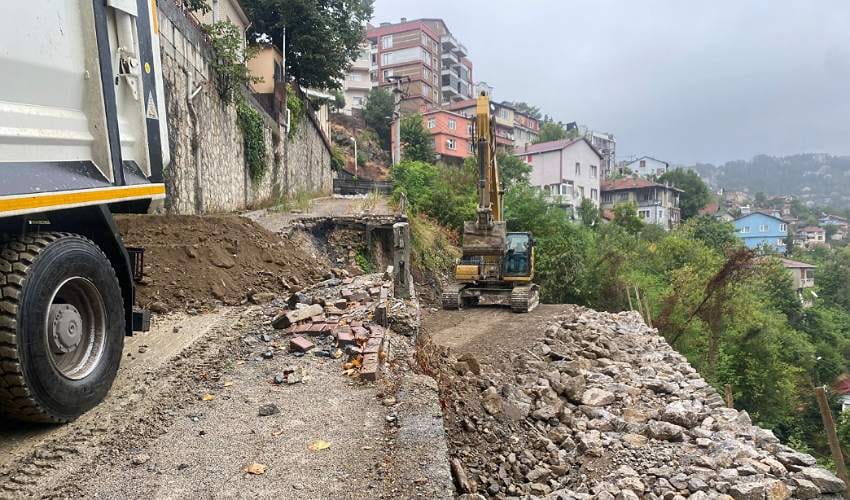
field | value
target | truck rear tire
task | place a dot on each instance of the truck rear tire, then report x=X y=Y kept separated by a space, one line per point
x=61 y=327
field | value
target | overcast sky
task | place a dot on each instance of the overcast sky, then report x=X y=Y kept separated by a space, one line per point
x=684 y=81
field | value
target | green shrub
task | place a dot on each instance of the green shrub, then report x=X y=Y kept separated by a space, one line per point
x=251 y=123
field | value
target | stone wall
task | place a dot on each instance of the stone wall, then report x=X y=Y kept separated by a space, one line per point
x=208 y=172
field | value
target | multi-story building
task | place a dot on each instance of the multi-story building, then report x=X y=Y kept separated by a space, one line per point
x=656 y=203
x=810 y=237
x=514 y=130
x=486 y=89
x=358 y=81
x=452 y=133
x=425 y=53
x=606 y=144
x=646 y=166
x=568 y=170
x=758 y=229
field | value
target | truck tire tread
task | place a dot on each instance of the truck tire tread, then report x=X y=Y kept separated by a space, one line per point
x=17 y=255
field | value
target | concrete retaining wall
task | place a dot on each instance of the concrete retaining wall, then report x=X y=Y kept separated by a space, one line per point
x=208 y=172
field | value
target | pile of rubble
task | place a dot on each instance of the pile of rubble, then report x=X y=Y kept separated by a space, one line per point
x=346 y=316
x=600 y=406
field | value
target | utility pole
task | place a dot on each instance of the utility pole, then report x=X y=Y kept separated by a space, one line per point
x=397 y=95
x=354 y=140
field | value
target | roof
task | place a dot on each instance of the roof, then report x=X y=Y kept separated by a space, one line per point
x=757 y=212
x=793 y=264
x=836 y=217
x=811 y=229
x=630 y=183
x=648 y=158
x=445 y=111
x=710 y=209
x=543 y=147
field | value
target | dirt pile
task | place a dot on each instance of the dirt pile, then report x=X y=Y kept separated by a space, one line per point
x=600 y=406
x=198 y=262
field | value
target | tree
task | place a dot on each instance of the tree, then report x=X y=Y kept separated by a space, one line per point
x=378 y=114
x=588 y=213
x=761 y=199
x=417 y=143
x=338 y=102
x=323 y=37
x=512 y=170
x=625 y=216
x=528 y=109
x=696 y=194
x=551 y=131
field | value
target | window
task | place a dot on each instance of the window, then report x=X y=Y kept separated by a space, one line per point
x=451 y=144
x=426 y=90
x=374 y=58
x=432 y=122
x=469 y=130
x=386 y=57
x=745 y=229
x=578 y=168
x=470 y=147
x=566 y=189
x=426 y=73
x=373 y=75
x=357 y=101
x=783 y=228
x=594 y=171
x=581 y=191
x=763 y=228
x=387 y=42
x=387 y=74
x=452 y=124
x=355 y=77
x=643 y=214
x=643 y=164
x=594 y=194
x=426 y=56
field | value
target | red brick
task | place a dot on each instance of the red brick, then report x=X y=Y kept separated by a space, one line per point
x=344 y=336
x=377 y=331
x=299 y=343
x=370 y=367
x=356 y=323
x=373 y=345
x=374 y=291
x=360 y=333
x=346 y=294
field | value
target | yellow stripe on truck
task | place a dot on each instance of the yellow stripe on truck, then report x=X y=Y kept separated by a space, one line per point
x=42 y=202
x=154 y=17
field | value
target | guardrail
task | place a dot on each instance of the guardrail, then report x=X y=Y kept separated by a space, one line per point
x=346 y=186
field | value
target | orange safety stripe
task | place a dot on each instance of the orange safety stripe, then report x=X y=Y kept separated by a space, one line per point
x=154 y=17
x=84 y=197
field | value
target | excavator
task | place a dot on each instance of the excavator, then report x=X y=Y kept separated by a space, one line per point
x=495 y=264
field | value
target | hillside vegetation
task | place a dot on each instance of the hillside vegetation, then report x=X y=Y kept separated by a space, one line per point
x=821 y=179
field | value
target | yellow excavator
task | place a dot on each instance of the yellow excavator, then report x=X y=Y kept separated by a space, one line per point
x=495 y=264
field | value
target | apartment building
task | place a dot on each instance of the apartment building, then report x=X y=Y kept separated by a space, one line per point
x=452 y=133
x=514 y=130
x=568 y=170
x=425 y=52
x=606 y=144
x=358 y=81
x=656 y=203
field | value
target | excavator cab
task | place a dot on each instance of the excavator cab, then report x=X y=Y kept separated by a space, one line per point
x=519 y=253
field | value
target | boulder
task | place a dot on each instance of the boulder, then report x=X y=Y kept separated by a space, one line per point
x=597 y=397
x=826 y=481
x=664 y=431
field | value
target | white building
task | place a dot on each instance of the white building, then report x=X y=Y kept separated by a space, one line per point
x=606 y=144
x=647 y=166
x=568 y=170
x=358 y=81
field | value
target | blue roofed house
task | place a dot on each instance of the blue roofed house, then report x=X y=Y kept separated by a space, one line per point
x=759 y=229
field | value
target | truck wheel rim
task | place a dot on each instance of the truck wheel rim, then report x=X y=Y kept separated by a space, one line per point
x=75 y=324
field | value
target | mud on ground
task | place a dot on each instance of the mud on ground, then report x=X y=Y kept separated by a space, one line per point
x=194 y=262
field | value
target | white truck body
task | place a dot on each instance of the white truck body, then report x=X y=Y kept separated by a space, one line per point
x=67 y=99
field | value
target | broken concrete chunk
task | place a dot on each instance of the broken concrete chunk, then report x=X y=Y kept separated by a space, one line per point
x=287 y=319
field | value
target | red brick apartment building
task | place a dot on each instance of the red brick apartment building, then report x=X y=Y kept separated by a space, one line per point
x=452 y=133
x=425 y=51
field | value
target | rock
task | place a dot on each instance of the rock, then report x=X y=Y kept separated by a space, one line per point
x=826 y=481
x=491 y=401
x=682 y=413
x=279 y=379
x=697 y=484
x=268 y=354
x=634 y=440
x=776 y=490
x=805 y=489
x=268 y=410
x=794 y=458
x=471 y=362
x=597 y=397
x=753 y=490
x=287 y=319
x=573 y=387
x=158 y=307
x=262 y=297
x=140 y=459
x=664 y=431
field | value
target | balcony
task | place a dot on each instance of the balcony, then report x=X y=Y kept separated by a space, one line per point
x=461 y=50
x=449 y=59
x=449 y=43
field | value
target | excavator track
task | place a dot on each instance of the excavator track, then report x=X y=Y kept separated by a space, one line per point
x=451 y=298
x=525 y=298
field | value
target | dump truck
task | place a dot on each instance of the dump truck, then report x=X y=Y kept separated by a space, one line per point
x=82 y=137
x=496 y=264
